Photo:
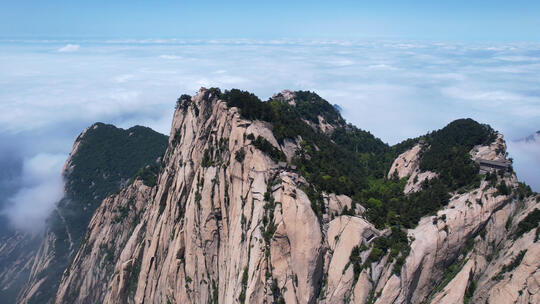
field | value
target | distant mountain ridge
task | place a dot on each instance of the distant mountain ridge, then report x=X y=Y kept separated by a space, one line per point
x=532 y=137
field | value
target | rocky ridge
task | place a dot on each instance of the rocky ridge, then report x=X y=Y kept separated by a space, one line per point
x=226 y=223
x=31 y=265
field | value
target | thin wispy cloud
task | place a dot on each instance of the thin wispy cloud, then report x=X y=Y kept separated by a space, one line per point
x=170 y=57
x=69 y=48
x=124 y=78
x=41 y=188
x=526 y=155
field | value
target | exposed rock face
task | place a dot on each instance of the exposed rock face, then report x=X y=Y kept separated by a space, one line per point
x=336 y=204
x=17 y=252
x=204 y=236
x=287 y=96
x=321 y=125
x=437 y=245
x=468 y=232
x=344 y=233
x=120 y=214
x=93 y=170
x=486 y=266
x=227 y=224
x=497 y=281
x=408 y=165
x=495 y=151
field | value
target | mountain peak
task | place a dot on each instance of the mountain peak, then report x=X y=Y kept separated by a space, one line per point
x=255 y=201
x=285 y=95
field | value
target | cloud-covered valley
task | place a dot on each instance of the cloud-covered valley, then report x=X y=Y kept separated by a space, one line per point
x=50 y=90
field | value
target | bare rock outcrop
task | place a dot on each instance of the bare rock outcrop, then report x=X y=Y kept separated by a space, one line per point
x=17 y=252
x=210 y=229
x=225 y=223
x=465 y=235
x=495 y=151
x=407 y=165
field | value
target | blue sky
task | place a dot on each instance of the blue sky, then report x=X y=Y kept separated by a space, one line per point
x=494 y=20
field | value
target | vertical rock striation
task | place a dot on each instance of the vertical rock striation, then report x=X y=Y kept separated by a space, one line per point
x=225 y=223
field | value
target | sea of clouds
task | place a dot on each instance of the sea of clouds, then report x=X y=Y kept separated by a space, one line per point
x=50 y=90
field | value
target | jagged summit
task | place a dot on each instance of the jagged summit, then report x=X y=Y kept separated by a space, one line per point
x=255 y=202
x=286 y=95
x=283 y=201
x=304 y=105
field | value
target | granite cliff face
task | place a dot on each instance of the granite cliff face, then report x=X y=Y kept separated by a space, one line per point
x=230 y=219
x=102 y=161
x=17 y=251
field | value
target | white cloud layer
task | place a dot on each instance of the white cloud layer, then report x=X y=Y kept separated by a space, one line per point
x=69 y=48
x=395 y=89
x=526 y=155
x=41 y=189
